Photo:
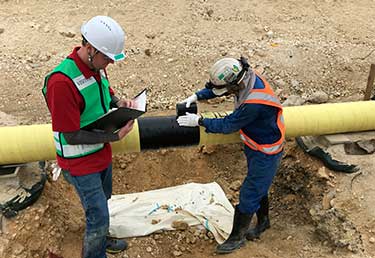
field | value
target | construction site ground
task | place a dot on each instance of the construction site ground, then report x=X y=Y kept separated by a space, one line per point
x=301 y=47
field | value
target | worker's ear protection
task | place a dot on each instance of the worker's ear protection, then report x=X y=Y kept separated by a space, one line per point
x=233 y=86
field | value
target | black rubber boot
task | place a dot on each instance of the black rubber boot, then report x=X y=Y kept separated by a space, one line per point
x=236 y=238
x=263 y=221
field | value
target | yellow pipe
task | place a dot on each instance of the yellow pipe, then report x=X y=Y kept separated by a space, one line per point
x=35 y=142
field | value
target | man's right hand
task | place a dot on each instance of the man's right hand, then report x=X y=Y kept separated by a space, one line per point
x=126 y=129
x=193 y=98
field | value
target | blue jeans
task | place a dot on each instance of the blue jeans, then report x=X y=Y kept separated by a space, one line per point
x=94 y=190
x=261 y=169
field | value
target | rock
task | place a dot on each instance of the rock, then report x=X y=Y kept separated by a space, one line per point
x=372 y=240
x=46 y=29
x=306 y=248
x=289 y=198
x=150 y=36
x=177 y=253
x=69 y=33
x=322 y=173
x=236 y=185
x=148 y=249
x=318 y=97
x=180 y=225
x=192 y=230
x=210 y=235
x=327 y=200
x=293 y=100
x=280 y=83
x=208 y=149
x=18 y=248
x=229 y=197
x=148 y=52
x=269 y=34
x=294 y=83
x=1 y=30
x=155 y=221
x=35 y=246
x=191 y=239
x=44 y=57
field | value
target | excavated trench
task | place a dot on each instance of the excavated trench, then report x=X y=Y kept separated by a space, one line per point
x=298 y=199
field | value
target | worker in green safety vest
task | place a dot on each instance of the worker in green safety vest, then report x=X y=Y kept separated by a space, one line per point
x=77 y=93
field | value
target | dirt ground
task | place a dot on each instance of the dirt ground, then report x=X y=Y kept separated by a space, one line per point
x=301 y=47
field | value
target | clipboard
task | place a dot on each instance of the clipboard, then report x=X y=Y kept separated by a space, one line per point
x=116 y=118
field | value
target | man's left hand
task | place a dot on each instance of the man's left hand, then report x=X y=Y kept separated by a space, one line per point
x=190 y=120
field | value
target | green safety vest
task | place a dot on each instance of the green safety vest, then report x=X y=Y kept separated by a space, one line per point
x=96 y=103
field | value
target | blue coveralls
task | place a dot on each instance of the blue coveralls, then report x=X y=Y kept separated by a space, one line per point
x=259 y=122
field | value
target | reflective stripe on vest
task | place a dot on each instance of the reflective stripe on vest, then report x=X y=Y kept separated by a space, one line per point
x=74 y=151
x=266 y=97
x=263 y=96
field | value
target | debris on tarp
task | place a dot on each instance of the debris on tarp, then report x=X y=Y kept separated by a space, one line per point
x=173 y=208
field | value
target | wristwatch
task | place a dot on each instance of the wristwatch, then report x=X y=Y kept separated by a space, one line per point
x=200 y=121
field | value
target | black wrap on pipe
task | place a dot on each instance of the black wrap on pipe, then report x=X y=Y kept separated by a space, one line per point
x=164 y=131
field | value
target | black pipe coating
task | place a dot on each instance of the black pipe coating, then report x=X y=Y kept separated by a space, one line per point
x=181 y=109
x=164 y=131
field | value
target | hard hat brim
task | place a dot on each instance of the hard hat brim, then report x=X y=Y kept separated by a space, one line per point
x=116 y=58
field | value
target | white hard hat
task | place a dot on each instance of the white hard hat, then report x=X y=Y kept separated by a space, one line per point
x=106 y=35
x=225 y=71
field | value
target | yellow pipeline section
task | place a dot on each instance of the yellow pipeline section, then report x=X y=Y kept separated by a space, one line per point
x=35 y=142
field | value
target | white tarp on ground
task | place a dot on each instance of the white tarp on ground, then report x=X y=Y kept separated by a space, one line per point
x=140 y=214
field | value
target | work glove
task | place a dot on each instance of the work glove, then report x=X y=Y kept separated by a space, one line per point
x=56 y=170
x=189 y=120
x=193 y=98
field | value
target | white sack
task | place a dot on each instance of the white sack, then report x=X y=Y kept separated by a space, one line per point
x=206 y=204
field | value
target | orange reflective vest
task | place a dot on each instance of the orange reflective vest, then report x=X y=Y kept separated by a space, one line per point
x=267 y=97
